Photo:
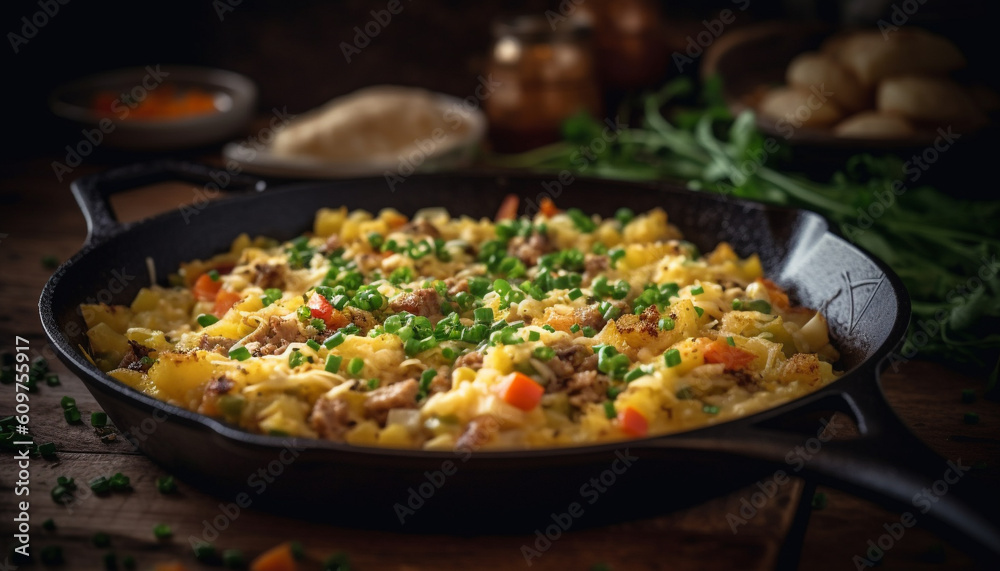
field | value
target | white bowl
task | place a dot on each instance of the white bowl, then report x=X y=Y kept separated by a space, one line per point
x=256 y=157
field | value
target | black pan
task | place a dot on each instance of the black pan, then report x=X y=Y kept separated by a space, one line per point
x=517 y=491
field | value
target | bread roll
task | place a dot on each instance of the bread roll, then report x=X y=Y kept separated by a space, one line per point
x=929 y=99
x=814 y=69
x=799 y=107
x=874 y=125
x=909 y=51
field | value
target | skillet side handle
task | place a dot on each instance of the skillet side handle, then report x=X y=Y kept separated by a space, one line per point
x=92 y=193
x=886 y=464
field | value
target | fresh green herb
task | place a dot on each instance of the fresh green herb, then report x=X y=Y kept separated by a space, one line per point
x=313 y=344
x=697 y=290
x=575 y=328
x=699 y=310
x=372 y=384
x=483 y=315
x=549 y=328
x=98 y=419
x=296 y=358
x=666 y=324
x=534 y=336
x=67 y=402
x=730 y=341
x=213 y=275
x=589 y=331
x=425 y=382
x=575 y=293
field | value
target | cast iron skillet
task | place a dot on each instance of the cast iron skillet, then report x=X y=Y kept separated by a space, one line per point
x=517 y=491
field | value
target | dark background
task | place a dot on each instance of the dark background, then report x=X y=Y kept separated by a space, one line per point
x=291 y=48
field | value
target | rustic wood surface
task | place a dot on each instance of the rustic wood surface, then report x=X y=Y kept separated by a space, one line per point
x=38 y=217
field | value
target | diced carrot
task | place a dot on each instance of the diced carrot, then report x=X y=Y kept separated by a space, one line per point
x=633 y=422
x=170 y=566
x=733 y=358
x=224 y=301
x=205 y=288
x=779 y=298
x=521 y=391
x=277 y=558
x=337 y=320
x=508 y=208
x=548 y=207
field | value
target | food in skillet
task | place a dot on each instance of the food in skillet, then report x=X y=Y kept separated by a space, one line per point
x=441 y=333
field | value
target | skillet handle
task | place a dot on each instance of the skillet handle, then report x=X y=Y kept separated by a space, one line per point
x=886 y=464
x=92 y=193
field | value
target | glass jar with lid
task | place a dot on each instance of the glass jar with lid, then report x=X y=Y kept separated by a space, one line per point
x=544 y=74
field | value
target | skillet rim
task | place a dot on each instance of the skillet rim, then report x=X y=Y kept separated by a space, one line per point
x=89 y=373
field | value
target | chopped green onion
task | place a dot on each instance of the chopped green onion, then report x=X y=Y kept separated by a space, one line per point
x=589 y=331
x=334 y=340
x=98 y=419
x=575 y=328
x=697 y=290
x=72 y=415
x=239 y=353
x=204 y=551
x=575 y=293
x=666 y=324
x=710 y=409
x=214 y=275
x=425 y=382
x=699 y=310
x=534 y=336
x=162 y=531
x=544 y=353
x=67 y=402
x=312 y=344
x=47 y=450
x=737 y=305
x=609 y=409
x=483 y=315
x=166 y=484
x=372 y=384
x=119 y=482
x=549 y=328
x=318 y=324
x=52 y=380
x=613 y=392
x=233 y=559
x=296 y=358
x=634 y=374
x=355 y=365
x=672 y=358
x=100 y=485
x=333 y=363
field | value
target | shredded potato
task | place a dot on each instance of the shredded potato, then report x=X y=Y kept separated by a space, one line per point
x=438 y=332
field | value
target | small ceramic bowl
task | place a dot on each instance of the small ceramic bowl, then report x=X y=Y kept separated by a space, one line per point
x=121 y=125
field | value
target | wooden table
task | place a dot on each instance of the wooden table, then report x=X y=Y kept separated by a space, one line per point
x=38 y=217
